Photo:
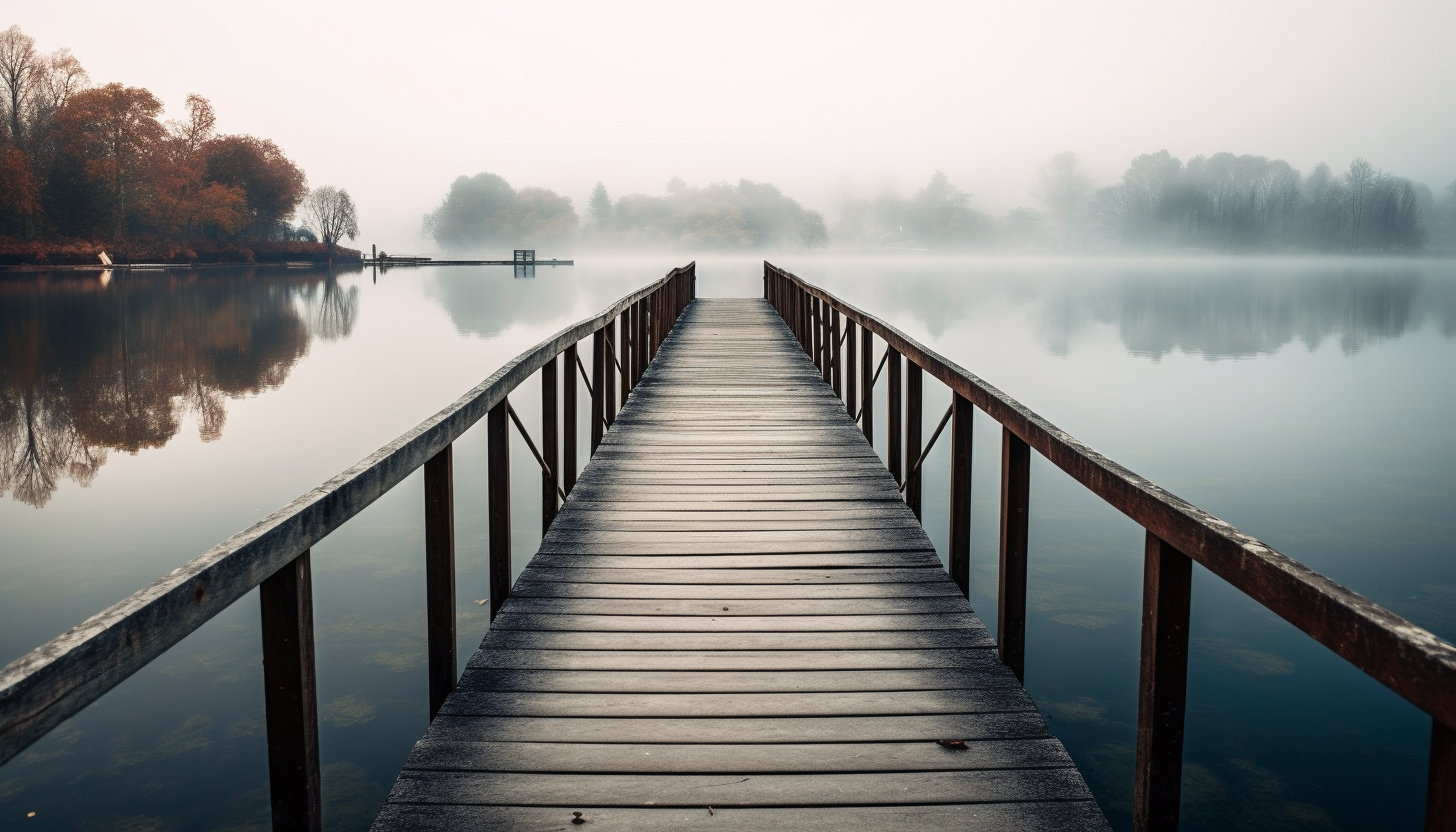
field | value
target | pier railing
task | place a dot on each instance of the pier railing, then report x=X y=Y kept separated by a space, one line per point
x=1409 y=660
x=55 y=681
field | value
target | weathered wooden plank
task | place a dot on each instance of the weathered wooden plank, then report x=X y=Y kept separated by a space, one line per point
x=851 y=640
x=719 y=608
x=735 y=576
x=480 y=703
x=878 y=788
x=786 y=622
x=916 y=728
x=735 y=681
x=527 y=588
x=1043 y=816
x=605 y=557
x=697 y=758
x=982 y=659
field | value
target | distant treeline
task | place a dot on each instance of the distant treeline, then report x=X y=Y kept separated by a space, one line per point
x=1215 y=203
x=87 y=166
x=1218 y=203
x=485 y=211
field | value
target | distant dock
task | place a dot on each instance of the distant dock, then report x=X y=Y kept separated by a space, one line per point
x=523 y=257
x=427 y=261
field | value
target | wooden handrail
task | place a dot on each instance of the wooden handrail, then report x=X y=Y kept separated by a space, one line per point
x=1410 y=660
x=56 y=680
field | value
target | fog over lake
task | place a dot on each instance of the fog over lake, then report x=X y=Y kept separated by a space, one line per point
x=1217 y=243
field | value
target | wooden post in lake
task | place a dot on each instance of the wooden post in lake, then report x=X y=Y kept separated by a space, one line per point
x=290 y=697
x=440 y=576
x=1011 y=606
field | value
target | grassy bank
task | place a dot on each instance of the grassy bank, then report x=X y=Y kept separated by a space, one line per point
x=85 y=252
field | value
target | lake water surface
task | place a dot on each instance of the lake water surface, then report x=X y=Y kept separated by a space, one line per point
x=1308 y=402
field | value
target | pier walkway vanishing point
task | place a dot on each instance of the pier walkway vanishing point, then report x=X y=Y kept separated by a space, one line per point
x=735 y=620
x=736 y=609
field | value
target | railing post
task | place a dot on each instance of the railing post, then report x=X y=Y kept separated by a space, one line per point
x=624 y=357
x=598 y=387
x=629 y=373
x=639 y=346
x=609 y=367
x=914 y=390
x=440 y=575
x=498 y=503
x=290 y=695
x=807 y=302
x=867 y=384
x=1011 y=597
x=550 y=451
x=817 y=341
x=833 y=355
x=568 y=420
x=959 y=555
x=896 y=408
x=1441 y=779
x=800 y=316
x=1162 y=687
x=851 y=368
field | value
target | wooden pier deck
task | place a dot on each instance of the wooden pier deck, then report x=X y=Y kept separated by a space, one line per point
x=735 y=622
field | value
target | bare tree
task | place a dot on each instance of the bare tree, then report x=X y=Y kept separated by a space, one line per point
x=61 y=77
x=198 y=128
x=1359 y=179
x=330 y=212
x=20 y=65
x=1063 y=186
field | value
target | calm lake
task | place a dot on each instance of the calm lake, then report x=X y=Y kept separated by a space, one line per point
x=145 y=418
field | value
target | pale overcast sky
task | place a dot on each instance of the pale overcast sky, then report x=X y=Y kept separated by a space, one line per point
x=394 y=100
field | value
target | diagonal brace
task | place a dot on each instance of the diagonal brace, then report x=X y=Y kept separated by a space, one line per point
x=546 y=469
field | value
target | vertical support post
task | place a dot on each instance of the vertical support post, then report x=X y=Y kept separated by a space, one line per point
x=817 y=339
x=800 y=316
x=609 y=368
x=498 y=503
x=550 y=426
x=568 y=420
x=895 y=406
x=914 y=424
x=809 y=321
x=650 y=304
x=290 y=694
x=598 y=387
x=1441 y=779
x=1011 y=597
x=628 y=372
x=826 y=343
x=624 y=356
x=959 y=556
x=1162 y=686
x=440 y=575
x=640 y=342
x=851 y=368
x=833 y=353
x=867 y=384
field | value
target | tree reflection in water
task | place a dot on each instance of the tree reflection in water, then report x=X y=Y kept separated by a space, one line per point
x=89 y=367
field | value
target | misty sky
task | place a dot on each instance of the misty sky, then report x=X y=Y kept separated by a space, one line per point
x=394 y=100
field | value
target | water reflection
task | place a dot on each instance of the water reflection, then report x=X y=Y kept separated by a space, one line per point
x=485 y=302
x=1228 y=311
x=1240 y=315
x=90 y=367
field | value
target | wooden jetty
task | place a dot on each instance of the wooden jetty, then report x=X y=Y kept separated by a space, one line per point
x=734 y=618
x=736 y=609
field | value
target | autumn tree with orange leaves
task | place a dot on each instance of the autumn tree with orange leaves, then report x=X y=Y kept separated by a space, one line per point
x=98 y=163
